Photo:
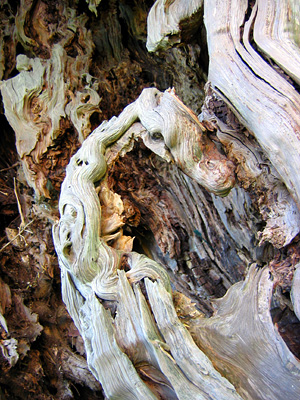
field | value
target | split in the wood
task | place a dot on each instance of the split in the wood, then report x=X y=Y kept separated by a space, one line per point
x=141 y=338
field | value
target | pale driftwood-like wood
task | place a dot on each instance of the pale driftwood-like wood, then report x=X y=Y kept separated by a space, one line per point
x=52 y=92
x=165 y=21
x=295 y=291
x=254 y=171
x=235 y=70
x=276 y=32
x=146 y=349
x=36 y=114
x=91 y=275
x=90 y=267
x=158 y=357
x=245 y=345
x=166 y=120
x=190 y=359
x=271 y=112
x=93 y=4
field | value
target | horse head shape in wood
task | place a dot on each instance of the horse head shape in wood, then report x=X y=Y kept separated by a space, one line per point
x=171 y=124
x=91 y=270
x=171 y=131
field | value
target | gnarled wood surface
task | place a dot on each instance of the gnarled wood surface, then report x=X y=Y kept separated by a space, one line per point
x=50 y=91
x=92 y=270
x=244 y=344
x=93 y=273
x=143 y=247
x=271 y=113
x=168 y=18
x=235 y=69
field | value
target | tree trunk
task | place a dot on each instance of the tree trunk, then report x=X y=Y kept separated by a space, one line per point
x=173 y=268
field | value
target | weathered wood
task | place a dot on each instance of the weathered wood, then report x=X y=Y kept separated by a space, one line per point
x=36 y=114
x=295 y=291
x=235 y=70
x=51 y=92
x=165 y=21
x=244 y=344
x=174 y=220
x=255 y=173
x=229 y=33
x=90 y=267
x=202 y=241
x=276 y=32
x=190 y=359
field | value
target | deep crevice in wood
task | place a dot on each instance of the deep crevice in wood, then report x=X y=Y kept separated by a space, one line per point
x=202 y=265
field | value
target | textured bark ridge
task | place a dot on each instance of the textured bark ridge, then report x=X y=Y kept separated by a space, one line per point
x=234 y=63
x=168 y=18
x=52 y=91
x=94 y=272
x=235 y=70
x=178 y=235
x=102 y=279
x=244 y=343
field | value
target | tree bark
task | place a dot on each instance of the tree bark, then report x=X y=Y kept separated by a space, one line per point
x=175 y=268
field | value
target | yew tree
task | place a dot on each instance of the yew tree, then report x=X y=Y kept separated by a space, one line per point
x=150 y=199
